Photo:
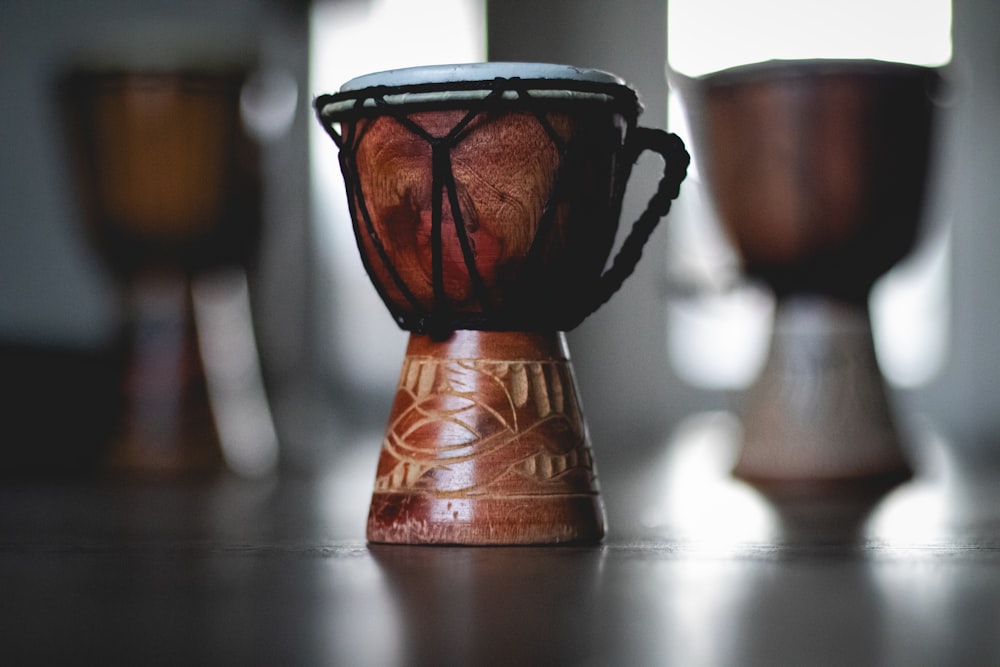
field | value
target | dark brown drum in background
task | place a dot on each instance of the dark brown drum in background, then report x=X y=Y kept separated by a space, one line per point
x=485 y=200
x=168 y=182
x=166 y=173
x=818 y=172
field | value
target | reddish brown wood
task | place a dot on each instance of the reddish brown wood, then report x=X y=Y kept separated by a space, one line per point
x=505 y=167
x=165 y=171
x=486 y=444
x=817 y=168
x=487 y=219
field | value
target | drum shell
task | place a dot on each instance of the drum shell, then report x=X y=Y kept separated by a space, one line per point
x=165 y=170
x=817 y=168
x=536 y=195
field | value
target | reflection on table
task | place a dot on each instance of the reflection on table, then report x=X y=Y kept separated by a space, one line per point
x=698 y=569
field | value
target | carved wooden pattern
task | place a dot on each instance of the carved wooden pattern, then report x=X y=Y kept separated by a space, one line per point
x=474 y=427
x=486 y=444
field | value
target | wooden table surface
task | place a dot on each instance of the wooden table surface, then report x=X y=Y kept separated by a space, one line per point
x=697 y=569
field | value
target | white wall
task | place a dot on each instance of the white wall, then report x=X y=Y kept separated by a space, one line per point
x=966 y=399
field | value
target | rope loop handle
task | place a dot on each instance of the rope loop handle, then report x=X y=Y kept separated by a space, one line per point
x=675 y=164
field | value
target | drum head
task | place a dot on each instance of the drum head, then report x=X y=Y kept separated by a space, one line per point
x=478 y=72
x=472 y=83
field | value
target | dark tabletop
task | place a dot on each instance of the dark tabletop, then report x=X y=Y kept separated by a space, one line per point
x=697 y=569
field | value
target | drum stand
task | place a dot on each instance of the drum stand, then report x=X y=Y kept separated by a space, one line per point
x=486 y=444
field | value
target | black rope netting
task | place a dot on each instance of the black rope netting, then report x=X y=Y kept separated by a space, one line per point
x=527 y=94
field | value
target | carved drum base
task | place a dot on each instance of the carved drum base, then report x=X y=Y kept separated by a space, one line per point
x=486 y=444
x=820 y=415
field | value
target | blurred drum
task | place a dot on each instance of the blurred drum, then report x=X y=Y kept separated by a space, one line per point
x=818 y=170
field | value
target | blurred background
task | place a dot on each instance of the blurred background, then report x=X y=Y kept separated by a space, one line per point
x=669 y=345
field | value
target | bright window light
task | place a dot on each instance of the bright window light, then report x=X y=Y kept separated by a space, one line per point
x=709 y=35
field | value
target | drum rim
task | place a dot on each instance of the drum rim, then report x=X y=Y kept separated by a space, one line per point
x=472 y=83
x=781 y=69
x=480 y=71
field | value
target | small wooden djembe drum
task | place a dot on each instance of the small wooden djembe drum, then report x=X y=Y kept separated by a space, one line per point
x=168 y=181
x=485 y=200
x=818 y=170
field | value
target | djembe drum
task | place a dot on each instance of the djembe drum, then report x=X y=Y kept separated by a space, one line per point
x=817 y=170
x=168 y=181
x=485 y=201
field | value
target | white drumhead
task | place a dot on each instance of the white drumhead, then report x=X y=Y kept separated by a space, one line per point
x=478 y=72
x=439 y=77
